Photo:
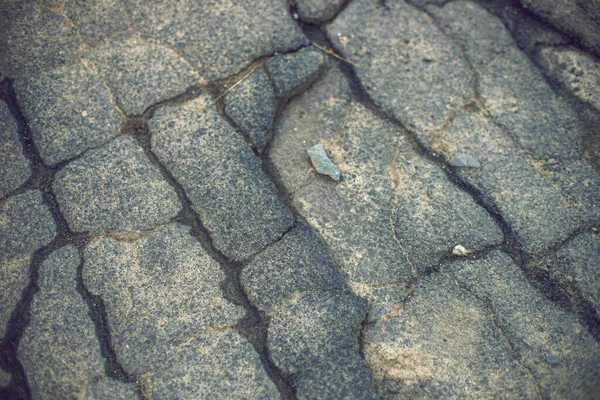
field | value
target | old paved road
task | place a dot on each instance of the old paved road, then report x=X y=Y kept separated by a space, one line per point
x=163 y=234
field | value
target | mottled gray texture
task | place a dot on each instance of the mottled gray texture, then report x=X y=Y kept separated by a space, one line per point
x=574 y=17
x=316 y=11
x=26 y=225
x=159 y=291
x=533 y=208
x=383 y=301
x=5 y=378
x=114 y=188
x=231 y=33
x=376 y=220
x=236 y=202
x=513 y=90
x=444 y=344
x=34 y=39
x=342 y=376
x=298 y=263
x=139 y=73
x=464 y=160
x=16 y=169
x=290 y=71
x=213 y=365
x=62 y=334
x=574 y=70
x=406 y=64
x=312 y=329
x=251 y=106
x=557 y=349
x=322 y=163
x=68 y=111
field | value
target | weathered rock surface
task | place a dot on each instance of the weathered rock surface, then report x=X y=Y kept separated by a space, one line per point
x=62 y=334
x=69 y=110
x=15 y=165
x=236 y=202
x=290 y=71
x=316 y=11
x=26 y=225
x=115 y=188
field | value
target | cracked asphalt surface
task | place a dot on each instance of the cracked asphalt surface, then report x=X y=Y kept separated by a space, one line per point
x=164 y=235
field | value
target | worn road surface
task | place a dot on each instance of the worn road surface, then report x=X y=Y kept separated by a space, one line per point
x=165 y=235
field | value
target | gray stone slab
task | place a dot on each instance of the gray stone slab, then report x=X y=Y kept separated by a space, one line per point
x=68 y=111
x=406 y=65
x=291 y=71
x=298 y=263
x=318 y=11
x=513 y=90
x=383 y=301
x=16 y=169
x=532 y=206
x=343 y=376
x=392 y=210
x=251 y=106
x=34 y=39
x=214 y=365
x=59 y=350
x=444 y=344
x=574 y=70
x=312 y=329
x=231 y=35
x=578 y=18
x=236 y=202
x=96 y=19
x=114 y=188
x=551 y=343
x=159 y=291
x=26 y=225
x=139 y=73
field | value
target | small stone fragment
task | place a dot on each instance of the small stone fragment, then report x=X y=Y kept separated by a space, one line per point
x=464 y=160
x=460 y=251
x=322 y=163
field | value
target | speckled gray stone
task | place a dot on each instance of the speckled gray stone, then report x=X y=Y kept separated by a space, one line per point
x=16 y=169
x=232 y=33
x=444 y=344
x=26 y=225
x=251 y=106
x=114 y=188
x=532 y=206
x=462 y=160
x=310 y=330
x=34 y=39
x=236 y=202
x=316 y=11
x=513 y=90
x=62 y=334
x=5 y=378
x=322 y=163
x=159 y=291
x=383 y=301
x=68 y=111
x=217 y=365
x=298 y=263
x=291 y=71
x=406 y=64
x=557 y=349
x=139 y=73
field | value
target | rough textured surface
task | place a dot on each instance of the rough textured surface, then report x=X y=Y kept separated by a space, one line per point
x=251 y=106
x=558 y=351
x=289 y=71
x=139 y=73
x=62 y=334
x=236 y=202
x=316 y=11
x=322 y=163
x=231 y=35
x=15 y=166
x=444 y=344
x=68 y=110
x=26 y=225
x=115 y=188
x=138 y=280
x=406 y=64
